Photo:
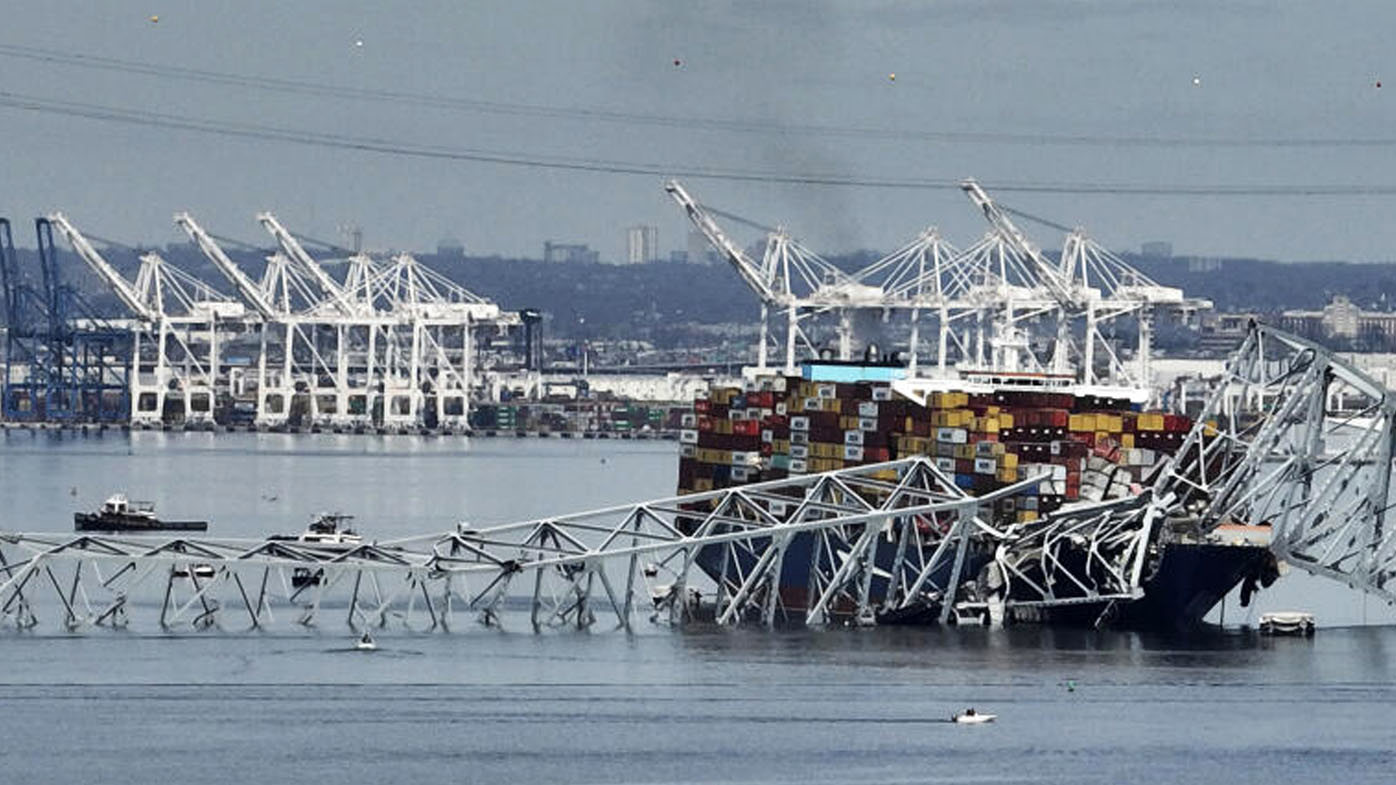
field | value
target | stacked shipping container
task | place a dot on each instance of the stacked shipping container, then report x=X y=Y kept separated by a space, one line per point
x=1089 y=448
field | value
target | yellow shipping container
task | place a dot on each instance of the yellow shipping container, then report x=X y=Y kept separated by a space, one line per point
x=888 y=475
x=723 y=427
x=1009 y=460
x=1150 y=422
x=709 y=455
x=1008 y=475
x=702 y=484
x=1027 y=516
x=1127 y=441
x=1113 y=423
x=780 y=446
x=1082 y=422
x=1005 y=420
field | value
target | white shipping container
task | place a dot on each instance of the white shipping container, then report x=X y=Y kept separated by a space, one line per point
x=754 y=413
x=799 y=437
x=852 y=452
x=688 y=420
x=882 y=393
x=767 y=435
x=813 y=404
x=952 y=435
x=945 y=464
x=985 y=466
x=688 y=450
x=868 y=424
x=797 y=466
x=739 y=474
x=799 y=424
x=688 y=437
x=867 y=409
x=799 y=451
x=781 y=409
x=778 y=384
x=853 y=437
x=826 y=390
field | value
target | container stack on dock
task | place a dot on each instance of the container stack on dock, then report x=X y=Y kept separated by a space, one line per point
x=610 y=417
x=1089 y=448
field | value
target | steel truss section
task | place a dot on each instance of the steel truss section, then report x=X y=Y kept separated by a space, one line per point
x=875 y=540
x=1299 y=440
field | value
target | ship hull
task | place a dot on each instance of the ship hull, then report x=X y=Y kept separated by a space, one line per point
x=1189 y=581
x=98 y=522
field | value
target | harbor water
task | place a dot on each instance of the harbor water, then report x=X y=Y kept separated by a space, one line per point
x=700 y=705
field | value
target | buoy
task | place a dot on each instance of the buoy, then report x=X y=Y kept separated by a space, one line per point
x=677 y=62
x=154 y=19
x=358 y=42
x=891 y=77
x=1197 y=81
x=1378 y=84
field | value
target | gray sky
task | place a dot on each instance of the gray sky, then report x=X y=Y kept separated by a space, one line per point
x=1046 y=68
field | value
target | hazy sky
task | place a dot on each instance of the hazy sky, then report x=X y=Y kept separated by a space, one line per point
x=1011 y=82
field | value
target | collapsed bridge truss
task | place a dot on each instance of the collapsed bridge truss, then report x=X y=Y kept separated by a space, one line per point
x=1292 y=438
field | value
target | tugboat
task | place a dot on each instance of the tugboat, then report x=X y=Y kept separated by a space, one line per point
x=120 y=514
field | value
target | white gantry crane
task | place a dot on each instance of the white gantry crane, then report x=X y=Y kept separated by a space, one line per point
x=1088 y=283
x=175 y=324
x=794 y=280
x=987 y=299
x=392 y=346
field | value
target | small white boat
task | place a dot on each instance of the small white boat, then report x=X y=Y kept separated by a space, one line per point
x=972 y=717
x=1287 y=623
x=366 y=643
x=329 y=531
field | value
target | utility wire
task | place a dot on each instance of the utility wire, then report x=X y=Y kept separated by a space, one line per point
x=300 y=87
x=39 y=105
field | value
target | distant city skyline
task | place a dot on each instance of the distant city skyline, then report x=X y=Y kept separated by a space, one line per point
x=500 y=125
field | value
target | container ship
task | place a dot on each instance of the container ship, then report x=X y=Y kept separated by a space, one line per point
x=985 y=430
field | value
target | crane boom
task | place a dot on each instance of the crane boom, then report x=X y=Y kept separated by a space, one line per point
x=749 y=270
x=293 y=249
x=1061 y=289
x=118 y=284
x=247 y=288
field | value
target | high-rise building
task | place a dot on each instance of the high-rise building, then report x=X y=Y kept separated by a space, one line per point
x=641 y=244
x=450 y=248
x=1158 y=249
x=571 y=253
x=699 y=250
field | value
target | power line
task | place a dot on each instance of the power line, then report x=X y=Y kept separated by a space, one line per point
x=301 y=87
x=403 y=149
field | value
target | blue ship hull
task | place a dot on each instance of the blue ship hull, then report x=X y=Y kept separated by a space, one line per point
x=1189 y=580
